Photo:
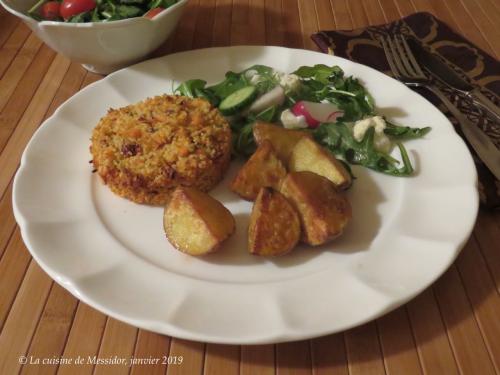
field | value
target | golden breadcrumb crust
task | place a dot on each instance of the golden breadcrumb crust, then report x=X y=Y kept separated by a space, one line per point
x=143 y=151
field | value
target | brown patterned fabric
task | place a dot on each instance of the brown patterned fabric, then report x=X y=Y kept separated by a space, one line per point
x=467 y=60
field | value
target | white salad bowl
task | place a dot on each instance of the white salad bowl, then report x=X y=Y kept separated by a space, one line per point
x=102 y=47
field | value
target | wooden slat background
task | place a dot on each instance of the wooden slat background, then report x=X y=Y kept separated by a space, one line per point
x=452 y=327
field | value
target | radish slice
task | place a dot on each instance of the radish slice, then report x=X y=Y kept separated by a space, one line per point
x=301 y=109
x=332 y=117
x=274 y=97
x=316 y=113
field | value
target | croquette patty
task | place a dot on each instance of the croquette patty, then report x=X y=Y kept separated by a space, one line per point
x=143 y=151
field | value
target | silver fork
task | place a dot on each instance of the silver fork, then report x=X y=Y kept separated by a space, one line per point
x=406 y=69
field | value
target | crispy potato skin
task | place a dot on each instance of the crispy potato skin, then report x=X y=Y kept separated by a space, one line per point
x=283 y=140
x=195 y=223
x=264 y=168
x=307 y=155
x=323 y=211
x=274 y=224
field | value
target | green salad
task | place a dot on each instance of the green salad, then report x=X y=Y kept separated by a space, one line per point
x=335 y=108
x=96 y=10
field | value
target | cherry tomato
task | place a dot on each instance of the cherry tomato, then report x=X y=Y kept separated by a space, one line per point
x=70 y=8
x=153 y=12
x=50 y=10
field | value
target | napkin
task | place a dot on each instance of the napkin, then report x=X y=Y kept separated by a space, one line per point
x=466 y=59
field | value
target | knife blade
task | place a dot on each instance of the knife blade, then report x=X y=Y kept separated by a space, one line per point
x=480 y=142
x=447 y=75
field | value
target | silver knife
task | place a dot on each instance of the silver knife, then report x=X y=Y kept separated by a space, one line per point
x=480 y=142
x=444 y=73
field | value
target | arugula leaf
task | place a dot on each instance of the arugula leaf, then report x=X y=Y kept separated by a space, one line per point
x=208 y=95
x=167 y=3
x=323 y=83
x=262 y=70
x=108 y=11
x=320 y=73
x=127 y=11
x=36 y=16
x=267 y=115
x=195 y=88
x=33 y=11
x=161 y=3
x=82 y=17
x=307 y=91
x=187 y=88
x=154 y=4
x=135 y=2
x=243 y=141
x=95 y=15
x=404 y=132
x=232 y=82
x=267 y=78
x=339 y=140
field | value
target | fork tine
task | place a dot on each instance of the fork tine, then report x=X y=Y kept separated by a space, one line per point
x=401 y=53
x=397 y=58
x=388 y=56
x=410 y=55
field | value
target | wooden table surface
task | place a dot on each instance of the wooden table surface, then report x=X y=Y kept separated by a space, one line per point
x=452 y=327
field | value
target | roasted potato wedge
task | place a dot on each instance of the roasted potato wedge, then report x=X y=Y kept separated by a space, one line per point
x=195 y=223
x=307 y=155
x=283 y=140
x=274 y=224
x=264 y=168
x=323 y=210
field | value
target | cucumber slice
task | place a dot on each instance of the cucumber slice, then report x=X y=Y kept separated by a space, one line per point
x=238 y=100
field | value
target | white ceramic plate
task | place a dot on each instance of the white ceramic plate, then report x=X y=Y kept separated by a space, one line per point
x=113 y=255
